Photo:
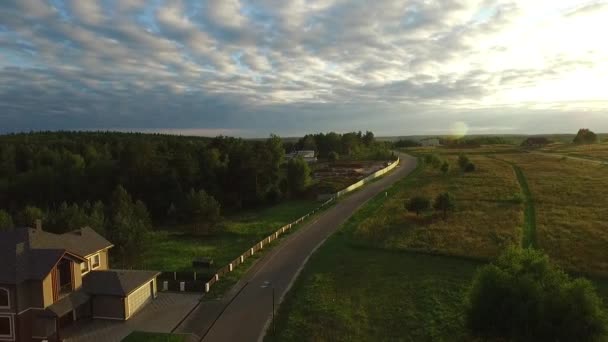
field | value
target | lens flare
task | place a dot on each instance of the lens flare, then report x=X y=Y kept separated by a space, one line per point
x=459 y=129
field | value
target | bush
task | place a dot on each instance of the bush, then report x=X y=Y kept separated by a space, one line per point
x=517 y=198
x=418 y=204
x=585 y=136
x=523 y=297
x=444 y=202
x=445 y=167
x=6 y=221
x=470 y=167
x=433 y=160
x=463 y=161
x=333 y=156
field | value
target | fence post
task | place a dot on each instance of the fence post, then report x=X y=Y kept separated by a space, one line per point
x=194 y=275
x=261 y=244
x=182 y=286
x=174 y=275
x=165 y=285
x=217 y=277
x=230 y=267
x=242 y=258
x=206 y=287
x=251 y=251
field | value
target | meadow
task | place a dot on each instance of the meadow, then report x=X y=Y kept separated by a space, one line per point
x=593 y=151
x=571 y=210
x=389 y=274
x=489 y=213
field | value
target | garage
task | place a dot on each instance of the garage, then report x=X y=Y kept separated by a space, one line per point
x=140 y=297
x=119 y=294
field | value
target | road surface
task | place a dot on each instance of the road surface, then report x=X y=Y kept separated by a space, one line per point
x=246 y=310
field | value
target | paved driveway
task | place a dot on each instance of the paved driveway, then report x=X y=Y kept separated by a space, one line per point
x=161 y=315
x=246 y=311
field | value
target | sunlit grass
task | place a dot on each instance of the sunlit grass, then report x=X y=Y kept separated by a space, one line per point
x=571 y=210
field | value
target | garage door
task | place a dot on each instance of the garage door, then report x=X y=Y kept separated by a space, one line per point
x=140 y=298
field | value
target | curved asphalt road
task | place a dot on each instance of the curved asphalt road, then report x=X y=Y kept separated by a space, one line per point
x=246 y=311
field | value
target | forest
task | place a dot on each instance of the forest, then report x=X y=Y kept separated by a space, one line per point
x=109 y=180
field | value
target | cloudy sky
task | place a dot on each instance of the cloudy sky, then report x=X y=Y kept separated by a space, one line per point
x=252 y=67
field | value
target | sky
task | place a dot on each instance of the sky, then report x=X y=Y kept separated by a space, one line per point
x=254 y=67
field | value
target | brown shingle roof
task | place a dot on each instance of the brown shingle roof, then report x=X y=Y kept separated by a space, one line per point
x=28 y=253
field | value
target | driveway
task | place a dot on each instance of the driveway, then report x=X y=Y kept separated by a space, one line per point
x=246 y=310
x=161 y=315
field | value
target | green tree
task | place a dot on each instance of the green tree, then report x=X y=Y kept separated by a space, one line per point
x=470 y=167
x=128 y=224
x=463 y=161
x=585 y=136
x=298 y=175
x=333 y=156
x=445 y=167
x=433 y=160
x=6 y=221
x=27 y=216
x=418 y=204
x=523 y=297
x=202 y=210
x=444 y=202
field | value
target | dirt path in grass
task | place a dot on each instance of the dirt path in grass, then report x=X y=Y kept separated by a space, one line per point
x=559 y=155
x=529 y=233
x=245 y=312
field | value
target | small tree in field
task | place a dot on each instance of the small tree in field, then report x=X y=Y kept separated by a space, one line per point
x=470 y=167
x=463 y=161
x=418 y=204
x=444 y=202
x=585 y=136
x=445 y=167
x=333 y=156
x=298 y=175
x=203 y=210
x=523 y=297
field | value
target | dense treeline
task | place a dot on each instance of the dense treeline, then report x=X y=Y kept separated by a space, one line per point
x=473 y=141
x=353 y=146
x=48 y=169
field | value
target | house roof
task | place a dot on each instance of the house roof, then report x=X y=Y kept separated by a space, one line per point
x=116 y=282
x=67 y=304
x=28 y=253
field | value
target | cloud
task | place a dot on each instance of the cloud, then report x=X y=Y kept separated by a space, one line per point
x=295 y=65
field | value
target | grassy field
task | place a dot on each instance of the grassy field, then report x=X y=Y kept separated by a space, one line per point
x=593 y=151
x=571 y=210
x=171 y=251
x=488 y=216
x=355 y=292
x=389 y=275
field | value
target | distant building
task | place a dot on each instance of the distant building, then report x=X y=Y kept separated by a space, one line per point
x=430 y=142
x=307 y=155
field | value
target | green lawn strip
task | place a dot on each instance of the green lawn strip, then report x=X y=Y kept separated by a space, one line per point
x=174 y=251
x=529 y=233
x=352 y=293
x=138 y=336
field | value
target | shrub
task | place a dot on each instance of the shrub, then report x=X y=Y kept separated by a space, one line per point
x=433 y=160
x=445 y=167
x=585 y=136
x=463 y=161
x=470 y=167
x=444 y=202
x=333 y=156
x=523 y=297
x=418 y=204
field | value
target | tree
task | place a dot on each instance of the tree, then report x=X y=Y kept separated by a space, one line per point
x=6 y=221
x=298 y=175
x=333 y=156
x=585 y=136
x=523 y=297
x=418 y=204
x=444 y=202
x=27 y=216
x=445 y=167
x=433 y=160
x=470 y=167
x=128 y=224
x=368 y=138
x=203 y=210
x=463 y=161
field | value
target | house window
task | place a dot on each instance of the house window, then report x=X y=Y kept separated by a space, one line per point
x=6 y=326
x=95 y=261
x=84 y=267
x=5 y=301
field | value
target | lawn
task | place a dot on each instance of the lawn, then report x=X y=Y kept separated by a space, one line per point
x=488 y=216
x=571 y=210
x=138 y=336
x=172 y=251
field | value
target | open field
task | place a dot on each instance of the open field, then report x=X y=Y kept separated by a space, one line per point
x=488 y=217
x=371 y=289
x=354 y=292
x=171 y=251
x=571 y=210
x=592 y=151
